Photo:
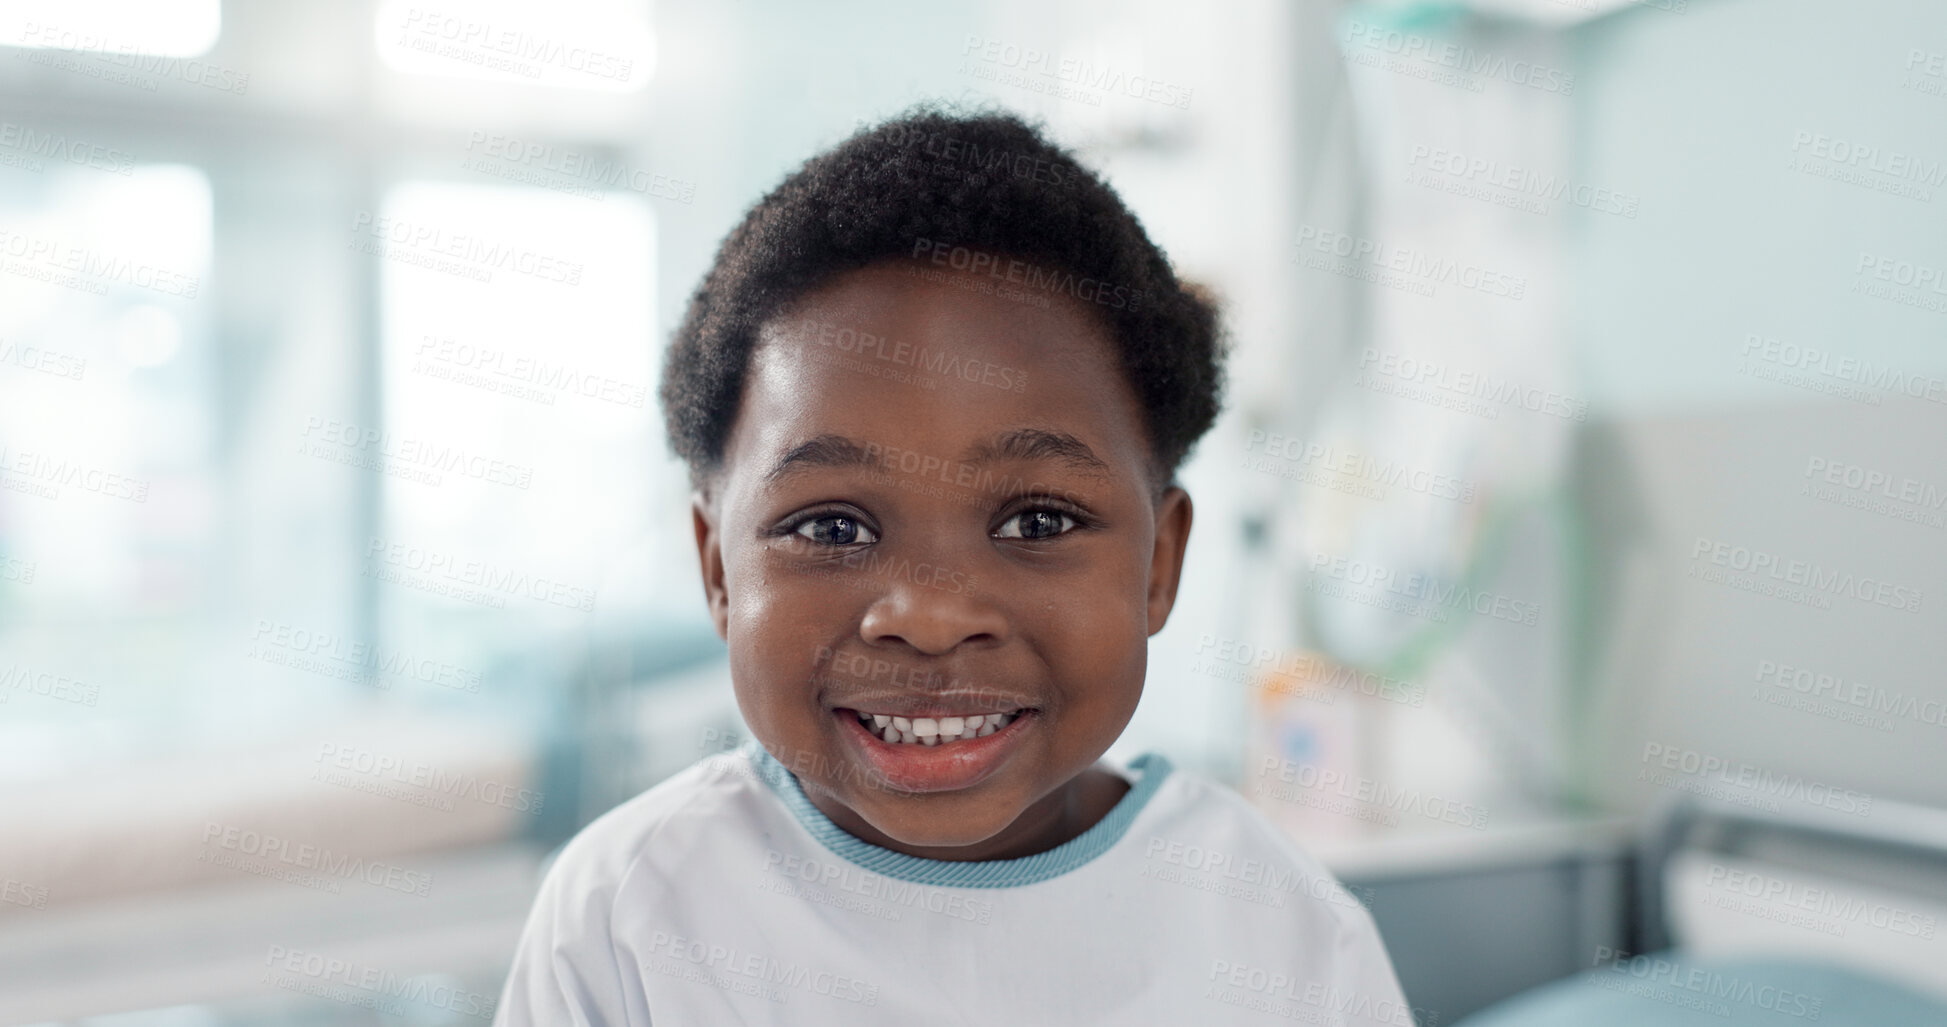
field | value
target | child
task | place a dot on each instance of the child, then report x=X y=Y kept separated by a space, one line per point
x=933 y=395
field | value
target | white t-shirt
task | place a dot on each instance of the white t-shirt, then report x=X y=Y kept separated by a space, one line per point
x=723 y=896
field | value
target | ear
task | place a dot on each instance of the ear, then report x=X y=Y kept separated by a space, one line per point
x=1173 y=516
x=709 y=552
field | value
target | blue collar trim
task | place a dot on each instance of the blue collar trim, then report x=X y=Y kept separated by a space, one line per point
x=1149 y=769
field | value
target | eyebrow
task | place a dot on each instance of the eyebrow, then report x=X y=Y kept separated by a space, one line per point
x=1025 y=444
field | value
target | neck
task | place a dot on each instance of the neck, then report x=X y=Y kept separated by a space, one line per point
x=1055 y=819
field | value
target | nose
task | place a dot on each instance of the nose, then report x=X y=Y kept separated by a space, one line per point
x=933 y=618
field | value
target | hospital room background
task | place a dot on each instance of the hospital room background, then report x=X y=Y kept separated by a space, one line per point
x=1568 y=563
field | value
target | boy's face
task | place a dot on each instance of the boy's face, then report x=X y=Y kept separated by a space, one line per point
x=986 y=545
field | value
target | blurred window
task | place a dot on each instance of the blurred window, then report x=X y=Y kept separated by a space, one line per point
x=107 y=28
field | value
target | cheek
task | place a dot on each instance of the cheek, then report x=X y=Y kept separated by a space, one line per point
x=783 y=623
x=1102 y=650
x=767 y=596
x=779 y=581
x=1121 y=606
x=767 y=645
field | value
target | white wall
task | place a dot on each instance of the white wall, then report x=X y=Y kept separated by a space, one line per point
x=1698 y=112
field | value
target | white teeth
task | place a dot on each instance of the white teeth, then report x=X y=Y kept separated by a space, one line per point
x=933 y=730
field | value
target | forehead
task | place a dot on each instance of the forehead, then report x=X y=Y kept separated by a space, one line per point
x=940 y=364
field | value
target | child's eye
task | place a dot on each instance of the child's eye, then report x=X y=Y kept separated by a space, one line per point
x=1038 y=523
x=834 y=530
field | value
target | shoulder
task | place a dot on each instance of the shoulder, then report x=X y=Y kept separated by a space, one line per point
x=569 y=966
x=603 y=854
x=1206 y=825
x=1207 y=831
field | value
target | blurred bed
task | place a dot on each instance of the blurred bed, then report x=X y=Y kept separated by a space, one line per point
x=1774 y=916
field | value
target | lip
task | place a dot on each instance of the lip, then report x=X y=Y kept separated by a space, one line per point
x=946 y=767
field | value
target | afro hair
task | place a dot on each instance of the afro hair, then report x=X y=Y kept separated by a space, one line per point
x=982 y=182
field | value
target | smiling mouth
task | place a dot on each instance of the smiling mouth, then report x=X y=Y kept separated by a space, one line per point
x=934 y=730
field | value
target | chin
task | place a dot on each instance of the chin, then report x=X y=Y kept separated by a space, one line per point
x=956 y=834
